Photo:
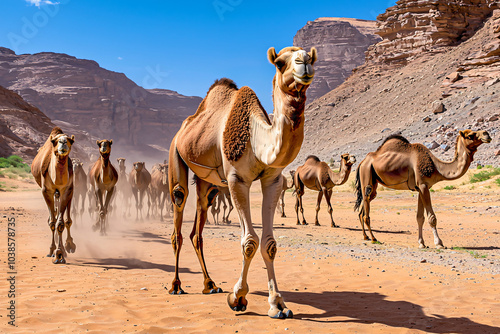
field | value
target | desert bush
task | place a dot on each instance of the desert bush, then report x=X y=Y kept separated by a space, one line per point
x=498 y=181
x=14 y=166
x=484 y=175
x=449 y=188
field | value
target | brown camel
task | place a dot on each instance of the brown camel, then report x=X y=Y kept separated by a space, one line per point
x=140 y=179
x=397 y=164
x=317 y=175
x=103 y=180
x=123 y=188
x=223 y=198
x=284 y=188
x=159 y=189
x=230 y=142
x=80 y=187
x=53 y=172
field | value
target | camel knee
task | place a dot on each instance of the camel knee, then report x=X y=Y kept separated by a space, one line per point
x=432 y=221
x=250 y=248
x=176 y=241
x=197 y=241
x=60 y=227
x=180 y=195
x=269 y=250
x=52 y=226
x=368 y=191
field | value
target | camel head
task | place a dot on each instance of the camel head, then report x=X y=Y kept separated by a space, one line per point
x=121 y=164
x=139 y=165
x=104 y=146
x=473 y=139
x=294 y=68
x=61 y=144
x=77 y=164
x=348 y=159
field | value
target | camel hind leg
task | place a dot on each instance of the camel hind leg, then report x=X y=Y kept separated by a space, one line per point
x=318 y=206
x=205 y=193
x=328 y=196
x=178 y=183
x=70 y=246
x=368 y=190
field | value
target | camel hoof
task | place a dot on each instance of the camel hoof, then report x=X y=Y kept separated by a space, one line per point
x=59 y=258
x=317 y=224
x=422 y=246
x=304 y=223
x=298 y=223
x=440 y=247
x=237 y=305
x=366 y=238
x=217 y=290
x=70 y=246
x=335 y=225
x=283 y=216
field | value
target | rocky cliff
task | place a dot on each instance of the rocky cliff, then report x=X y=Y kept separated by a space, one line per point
x=412 y=27
x=81 y=94
x=427 y=98
x=341 y=45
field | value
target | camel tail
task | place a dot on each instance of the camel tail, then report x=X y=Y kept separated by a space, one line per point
x=359 y=193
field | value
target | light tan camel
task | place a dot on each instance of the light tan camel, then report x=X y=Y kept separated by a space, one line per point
x=123 y=188
x=397 y=164
x=159 y=189
x=284 y=187
x=103 y=180
x=53 y=171
x=140 y=179
x=231 y=142
x=223 y=198
x=80 y=187
x=317 y=175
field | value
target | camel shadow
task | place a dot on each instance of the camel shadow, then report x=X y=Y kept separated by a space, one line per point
x=378 y=231
x=482 y=248
x=369 y=308
x=149 y=237
x=129 y=264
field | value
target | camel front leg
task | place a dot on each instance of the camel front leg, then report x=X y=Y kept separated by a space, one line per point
x=109 y=197
x=283 y=204
x=64 y=202
x=69 y=245
x=134 y=192
x=431 y=217
x=240 y=193
x=205 y=195
x=178 y=183
x=99 y=211
x=49 y=200
x=420 y=221
x=328 y=196
x=318 y=206
x=230 y=203
x=271 y=188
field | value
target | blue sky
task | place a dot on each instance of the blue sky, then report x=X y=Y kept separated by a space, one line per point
x=178 y=45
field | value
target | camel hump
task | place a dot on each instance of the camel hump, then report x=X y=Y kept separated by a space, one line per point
x=396 y=137
x=313 y=157
x=223 y=82
x=56 y=131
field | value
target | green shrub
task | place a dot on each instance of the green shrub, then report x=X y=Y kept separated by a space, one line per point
x=479 y=167
x=484 y=175
x=498 y=181
x=450 y=187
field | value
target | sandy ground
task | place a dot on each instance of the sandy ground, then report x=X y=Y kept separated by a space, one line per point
x=333 y=280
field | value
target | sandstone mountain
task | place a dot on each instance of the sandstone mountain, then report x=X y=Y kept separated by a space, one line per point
x=341 y=45
x=24 y=128
x=417 y=83
x=80 y=95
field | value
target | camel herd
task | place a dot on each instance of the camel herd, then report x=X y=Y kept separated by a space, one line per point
x=229 y=143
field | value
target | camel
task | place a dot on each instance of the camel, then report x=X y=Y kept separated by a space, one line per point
x=123 y=188
x=53 y=172
x=230 y=142
x=159 y=188
x=284 y=188
x=80 y=187
x=140 y=179
x=103 y=180
x=398 y=164
x=224 y=198
x=317 y=175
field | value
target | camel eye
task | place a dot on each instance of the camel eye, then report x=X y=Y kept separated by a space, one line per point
x=280 y=64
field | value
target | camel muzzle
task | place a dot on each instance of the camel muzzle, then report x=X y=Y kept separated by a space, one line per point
x=485 y=138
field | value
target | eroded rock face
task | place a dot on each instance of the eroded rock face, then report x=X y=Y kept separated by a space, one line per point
x=341 y=45
x=106 y=104
x=413 y=27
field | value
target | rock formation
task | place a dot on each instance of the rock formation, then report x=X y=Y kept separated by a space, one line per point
x=341 y=45
x=413 y=27
x=106 y=104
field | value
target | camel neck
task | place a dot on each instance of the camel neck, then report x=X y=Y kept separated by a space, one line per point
x=458 y=167
x=341 y=177
x=59 y=169
x=277 y=144
x=105 y=159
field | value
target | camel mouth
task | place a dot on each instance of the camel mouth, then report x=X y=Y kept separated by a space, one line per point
x=486 y=140
x=303 y=80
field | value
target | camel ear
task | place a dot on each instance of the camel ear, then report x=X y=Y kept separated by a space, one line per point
x=314 y=55
x=271 y=55
x=52 y=140
x=72 y=139
x=111 y=142
x=98 y=142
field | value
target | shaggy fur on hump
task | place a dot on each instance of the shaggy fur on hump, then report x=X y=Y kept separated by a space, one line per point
x=223 y=82
x=313 y=157
x=394 y=136
x=237 y=132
